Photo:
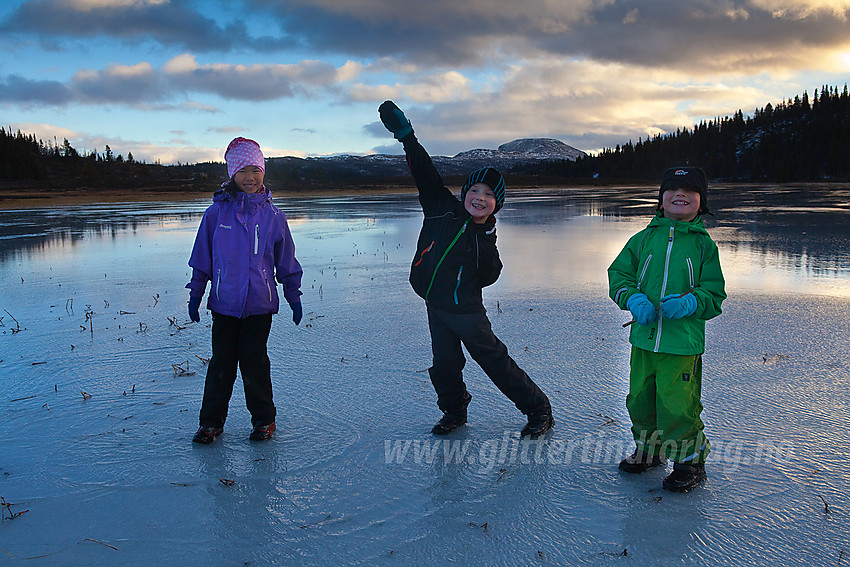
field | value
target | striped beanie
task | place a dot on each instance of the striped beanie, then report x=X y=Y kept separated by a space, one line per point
x=490 y=177
x=242 y=152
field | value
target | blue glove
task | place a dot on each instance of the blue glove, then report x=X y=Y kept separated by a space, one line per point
x=642 y=309
x=675 y=307
x=297 y=313
x=394 y=119
x=194 y=303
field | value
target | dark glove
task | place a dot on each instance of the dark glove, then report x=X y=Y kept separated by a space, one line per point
x=297 y=313
x=394 y=119
x=642 y=309
x=675 y=307
x=194 y=303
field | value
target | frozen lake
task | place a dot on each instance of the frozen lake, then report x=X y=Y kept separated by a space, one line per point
x=102 y=377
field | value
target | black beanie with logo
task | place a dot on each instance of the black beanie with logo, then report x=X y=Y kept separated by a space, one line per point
x=692 y=178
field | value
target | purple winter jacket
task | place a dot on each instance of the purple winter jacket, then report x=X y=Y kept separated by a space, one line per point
x=243 y=244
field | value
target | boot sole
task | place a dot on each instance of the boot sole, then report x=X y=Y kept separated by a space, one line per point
x=439 y=430
x=639 y=468
x=675 y=487
x=537 y=433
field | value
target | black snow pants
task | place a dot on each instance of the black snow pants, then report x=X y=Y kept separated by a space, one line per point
x=448 y=331
x=239 y=342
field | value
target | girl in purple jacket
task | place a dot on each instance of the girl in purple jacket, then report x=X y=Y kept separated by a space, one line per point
x=243 y=245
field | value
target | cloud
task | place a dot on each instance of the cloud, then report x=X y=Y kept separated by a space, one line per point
x=143 y=86
x=748 y=35
x=85 y=142
x=804 y=8
x=587 y=105
x=432 y=88
x=252 y=82
x=124 y=83
x=168 y=22
x=46 y=131
x=226 y=129
x=20 y=90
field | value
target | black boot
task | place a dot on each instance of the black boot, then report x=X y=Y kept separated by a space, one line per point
x=453 y=416
x=206 y=434
x=539 y=422
x=262 y=432
x=448 y=423
x=639 y=462
x=685 y=476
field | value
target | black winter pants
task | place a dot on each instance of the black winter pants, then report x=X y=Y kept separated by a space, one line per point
x=239 y=342
x=448 y=331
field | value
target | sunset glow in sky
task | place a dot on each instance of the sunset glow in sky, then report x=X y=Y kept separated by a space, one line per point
x=175 y=80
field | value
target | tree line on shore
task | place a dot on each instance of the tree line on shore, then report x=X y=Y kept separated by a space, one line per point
x=801 y=140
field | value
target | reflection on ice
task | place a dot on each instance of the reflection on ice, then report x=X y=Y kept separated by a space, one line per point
x=352 y=391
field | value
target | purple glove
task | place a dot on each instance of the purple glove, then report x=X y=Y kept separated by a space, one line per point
x=296 y=312
x=194 y=303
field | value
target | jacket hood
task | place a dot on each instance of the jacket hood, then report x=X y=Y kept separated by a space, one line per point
x=250 y=200
x=696 y=225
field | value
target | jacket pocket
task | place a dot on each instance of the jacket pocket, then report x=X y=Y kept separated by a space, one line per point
x=218 y=285
x=422 y=254
x=643 y=271
x=268 y=285
x=690 y=272
x=457 y=285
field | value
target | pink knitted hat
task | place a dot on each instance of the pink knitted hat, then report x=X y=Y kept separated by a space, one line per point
x=242 y=152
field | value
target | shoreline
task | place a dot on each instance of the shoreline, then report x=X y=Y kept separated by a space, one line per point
x=27 y=198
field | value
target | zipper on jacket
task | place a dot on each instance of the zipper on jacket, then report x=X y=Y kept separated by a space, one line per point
x=422 y=255
x=218 y=285
x=268 y=287
x=664 y=285
x=446 y=253
x=690 y=272
x=256 y=238
x=643 y=271
x=457 y=286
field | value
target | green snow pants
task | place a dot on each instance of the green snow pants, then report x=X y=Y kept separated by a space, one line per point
x=664 y=403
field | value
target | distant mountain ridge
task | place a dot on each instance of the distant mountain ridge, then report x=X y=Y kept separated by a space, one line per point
x=518 y=153
x=543 y=148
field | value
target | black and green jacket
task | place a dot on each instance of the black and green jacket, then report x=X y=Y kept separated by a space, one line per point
x=455 y=257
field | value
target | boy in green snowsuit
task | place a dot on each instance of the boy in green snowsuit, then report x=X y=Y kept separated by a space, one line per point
x=668 y=275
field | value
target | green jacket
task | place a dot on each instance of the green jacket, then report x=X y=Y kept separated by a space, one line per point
x=670 y=257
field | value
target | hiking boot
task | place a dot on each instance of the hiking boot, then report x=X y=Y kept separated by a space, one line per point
x=539 y=422
x=685 y=476
x=448 y=423
x=262 y=432
x=639 y=462
x=206 y=435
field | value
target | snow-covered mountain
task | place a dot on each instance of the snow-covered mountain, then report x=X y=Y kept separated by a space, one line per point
x=542 y=148
x=522 y=152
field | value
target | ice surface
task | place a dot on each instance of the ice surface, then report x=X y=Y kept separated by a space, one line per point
x=353 y=476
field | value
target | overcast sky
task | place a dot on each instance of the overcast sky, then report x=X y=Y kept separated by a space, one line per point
x=175 y=80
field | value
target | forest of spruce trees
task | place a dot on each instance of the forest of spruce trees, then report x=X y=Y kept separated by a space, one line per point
x=804 y=139
x=797 y=140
